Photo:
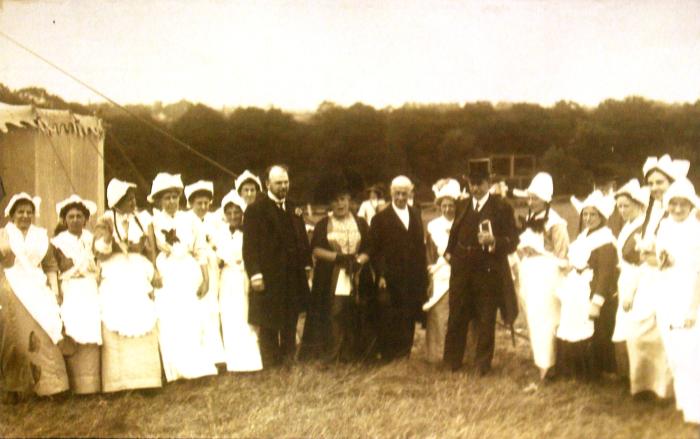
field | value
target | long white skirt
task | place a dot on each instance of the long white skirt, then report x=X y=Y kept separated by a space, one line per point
x=180 y=325
x=240 y=338
x=649 y=368
x=539 y=279
x=209 y=305
x=682 y=345
x=627 y=285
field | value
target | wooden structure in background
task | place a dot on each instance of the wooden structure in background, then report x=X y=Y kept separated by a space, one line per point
x=52 y=154
x=515 y=169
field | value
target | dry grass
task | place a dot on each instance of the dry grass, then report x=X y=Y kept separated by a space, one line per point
x=405 y=399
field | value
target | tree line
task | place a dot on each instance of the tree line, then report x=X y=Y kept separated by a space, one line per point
x=577 y=145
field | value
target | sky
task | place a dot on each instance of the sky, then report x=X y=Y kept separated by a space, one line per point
x=296 y=54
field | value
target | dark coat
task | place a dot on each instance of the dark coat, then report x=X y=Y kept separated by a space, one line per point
x=275 y=245
x=317 y=328
x=399 y=255
x=465 y=261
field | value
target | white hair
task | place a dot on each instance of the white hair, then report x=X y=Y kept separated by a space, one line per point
x=401 y=182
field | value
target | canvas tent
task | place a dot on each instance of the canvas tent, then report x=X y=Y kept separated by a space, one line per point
x=52 y=154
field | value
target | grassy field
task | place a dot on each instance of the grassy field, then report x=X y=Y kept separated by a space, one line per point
x=409 y=398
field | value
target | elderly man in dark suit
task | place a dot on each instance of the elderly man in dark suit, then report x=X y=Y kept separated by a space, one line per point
x=480 y=283
x=399 y=259
x=277 y=258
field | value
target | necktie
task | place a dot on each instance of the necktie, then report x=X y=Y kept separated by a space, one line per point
x=476 y=207
x=280 y=204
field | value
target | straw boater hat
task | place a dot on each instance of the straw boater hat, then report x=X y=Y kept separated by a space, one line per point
x=36 y=202
x=681 y=188
x=446 y=187
x=164 y=182
x=75 y=199
x=116 y=190
x=199 y=186
x=232 y=197
x=631 y=189
x=248 y=176
x=602 y=203
x=541 y=186
x=675 y=169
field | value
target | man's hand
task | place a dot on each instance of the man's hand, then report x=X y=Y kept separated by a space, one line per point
x=382 y=295
x=382 y=283
x=257 y=285
x=447 y=257
x=486 y=238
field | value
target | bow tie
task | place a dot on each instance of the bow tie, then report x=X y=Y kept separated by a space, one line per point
x=232 y=229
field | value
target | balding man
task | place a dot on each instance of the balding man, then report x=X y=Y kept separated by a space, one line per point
x=277 y=257
x=399 y=259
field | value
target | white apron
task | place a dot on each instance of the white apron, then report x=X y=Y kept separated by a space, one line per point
x=81 y=301
x=28 y=280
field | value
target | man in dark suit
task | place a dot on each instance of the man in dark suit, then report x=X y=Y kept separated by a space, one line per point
x=277 y=258
x=399 y=258
x=482 y=237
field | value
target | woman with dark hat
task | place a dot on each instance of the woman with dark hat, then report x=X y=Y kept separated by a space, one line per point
x=124 y=245
x=32 y=362
x=342 y=279
x=182 y=261
x=80 y=309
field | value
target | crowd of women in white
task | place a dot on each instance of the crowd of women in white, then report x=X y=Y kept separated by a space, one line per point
x=172 y=286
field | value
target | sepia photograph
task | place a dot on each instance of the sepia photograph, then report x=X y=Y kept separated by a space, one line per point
x=350 y=218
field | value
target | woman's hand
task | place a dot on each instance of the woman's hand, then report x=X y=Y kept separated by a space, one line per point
x=157 y=281
x=203 y=289
x=362 y=258
x=593 y=311
x=627 y=303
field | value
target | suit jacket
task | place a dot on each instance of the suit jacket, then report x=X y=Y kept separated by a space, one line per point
x=399 y=255
x=466 y=261
x=275 y=245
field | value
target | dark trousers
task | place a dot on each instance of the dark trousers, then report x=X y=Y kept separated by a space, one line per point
x=472 y=298
x=278 y=345
x=396 y=330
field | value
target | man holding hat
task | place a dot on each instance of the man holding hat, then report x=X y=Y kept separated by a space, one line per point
x=480 y=282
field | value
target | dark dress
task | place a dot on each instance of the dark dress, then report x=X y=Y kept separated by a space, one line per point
x=399 y=256
x=590 y=357
x=339 y=327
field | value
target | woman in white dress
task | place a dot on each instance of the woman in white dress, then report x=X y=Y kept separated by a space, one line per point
x=199 y=196
x=125 y=248
x=631 y=201
x=678 y=253
x=372 y=205
x=650 y=373
x=80 y=309
x=248 y=186
x=542 y=251
x=446 y=191
x=240 y=338
x=182 y=263
x=587 y=294
x=30 y=354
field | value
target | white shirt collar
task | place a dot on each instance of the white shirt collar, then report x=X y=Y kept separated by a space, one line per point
x=480 y=201
x=275 y=199
x=402 y=214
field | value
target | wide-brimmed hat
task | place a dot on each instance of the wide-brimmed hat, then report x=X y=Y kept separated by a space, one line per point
x=75 y=199
x=164 y=182
x=36 y=202
x=247 y=176
x=634 y=191
x=199 y=186
x=681 y=188
x=116 y=190
x=676 y=169
x=446 y=187
x=232 y=197
x=605 y=204
x=541 y=186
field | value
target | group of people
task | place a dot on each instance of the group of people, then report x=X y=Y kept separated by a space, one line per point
x=622 y=298
x=183 y=294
